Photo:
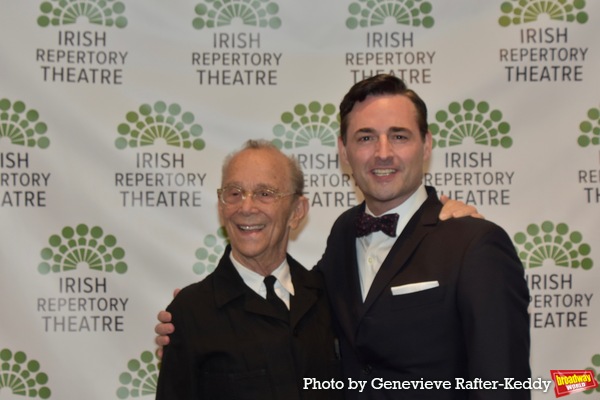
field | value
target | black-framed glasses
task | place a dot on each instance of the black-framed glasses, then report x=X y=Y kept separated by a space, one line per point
x=232 y=195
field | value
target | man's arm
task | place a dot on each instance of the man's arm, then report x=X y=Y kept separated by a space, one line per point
x=177 y=379
x=493 y=298
x=164 y=328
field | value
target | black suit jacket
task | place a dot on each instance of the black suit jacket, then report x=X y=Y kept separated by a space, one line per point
x=473 y=325
x=229 y=344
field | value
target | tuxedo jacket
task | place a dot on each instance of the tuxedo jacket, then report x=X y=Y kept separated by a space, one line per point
x=229 y=343
x=466 y=319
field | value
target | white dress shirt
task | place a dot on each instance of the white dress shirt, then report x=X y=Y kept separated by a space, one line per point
x=371 y=250
x=284 y=287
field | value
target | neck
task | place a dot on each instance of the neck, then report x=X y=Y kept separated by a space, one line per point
x=380 y=207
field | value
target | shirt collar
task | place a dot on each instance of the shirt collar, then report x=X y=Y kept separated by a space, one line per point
x=255 y=281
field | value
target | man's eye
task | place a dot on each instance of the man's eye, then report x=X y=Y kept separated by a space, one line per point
x=265 y=193
x=234 y=193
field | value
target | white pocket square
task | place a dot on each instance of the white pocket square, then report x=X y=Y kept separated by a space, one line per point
x=414 y=287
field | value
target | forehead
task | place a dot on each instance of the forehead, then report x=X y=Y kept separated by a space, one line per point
x=252 y=168
x=383 y=110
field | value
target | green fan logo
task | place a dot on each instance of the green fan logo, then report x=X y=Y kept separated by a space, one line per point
x=473 y=120
x=369 y=13
x=590 y=129
x=305 y=123
x=160 y=122
x=98 y=12
x=517 y=12
x=207 y=257
x=22 y=377
x=141 y=377
x=82 y=245
x=22 y=126
x=554 y=243
x=257 y=13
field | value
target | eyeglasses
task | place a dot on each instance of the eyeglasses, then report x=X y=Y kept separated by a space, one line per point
x=232 y=195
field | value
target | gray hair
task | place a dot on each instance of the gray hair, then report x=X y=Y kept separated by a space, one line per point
x=294 y=168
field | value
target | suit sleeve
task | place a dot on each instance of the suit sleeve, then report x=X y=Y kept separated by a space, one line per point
x=493 y=298
x=176 y=380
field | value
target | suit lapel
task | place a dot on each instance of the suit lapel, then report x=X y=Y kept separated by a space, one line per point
x=306 y=285
x=229 y=286
x=417 y=228
x=346 y=277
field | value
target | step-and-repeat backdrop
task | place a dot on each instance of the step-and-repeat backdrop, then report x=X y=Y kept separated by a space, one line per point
x=115 y=116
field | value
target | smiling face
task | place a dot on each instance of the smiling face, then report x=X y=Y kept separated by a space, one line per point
x=259 y=233
x=385 y=150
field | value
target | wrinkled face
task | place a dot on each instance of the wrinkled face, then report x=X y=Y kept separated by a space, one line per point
x=385 y=150
x=259 y=232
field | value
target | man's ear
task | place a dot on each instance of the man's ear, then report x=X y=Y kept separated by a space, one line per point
x=220 y=213
x=342 y=150
x=299 y=212
x=427 y=146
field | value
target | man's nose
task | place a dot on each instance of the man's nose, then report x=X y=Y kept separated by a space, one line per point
x=383 y=147
x=247 y=203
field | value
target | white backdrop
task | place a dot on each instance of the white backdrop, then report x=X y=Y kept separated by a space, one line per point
x=115 y=117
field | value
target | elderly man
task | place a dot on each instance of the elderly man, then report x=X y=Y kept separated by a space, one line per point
x=260 y=323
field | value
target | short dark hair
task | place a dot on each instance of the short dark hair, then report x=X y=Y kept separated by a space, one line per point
x=379 y=85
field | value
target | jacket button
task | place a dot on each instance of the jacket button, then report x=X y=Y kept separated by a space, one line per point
x=367 y=369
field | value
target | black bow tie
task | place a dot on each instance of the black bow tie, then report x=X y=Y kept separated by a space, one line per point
x=366 y=224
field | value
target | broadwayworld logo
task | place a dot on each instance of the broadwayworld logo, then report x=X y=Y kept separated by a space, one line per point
x=208 y=256
x=590 y=129
x=160 y=122
x=368 y=13
x=22 y=377
x=82 y=245
x=517 y=12
x=261 y=14
x=141 y=378
x=549 y=241
x=22 y=126
x=572 y=381
x=472 y=120
x=66 y=12
x=306 y=123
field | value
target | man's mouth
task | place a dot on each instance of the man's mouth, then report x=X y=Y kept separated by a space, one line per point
x=248 y=228
x=383 y=171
